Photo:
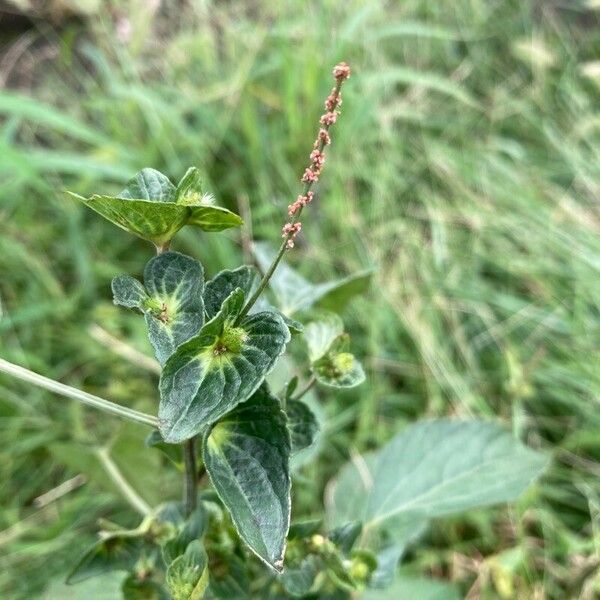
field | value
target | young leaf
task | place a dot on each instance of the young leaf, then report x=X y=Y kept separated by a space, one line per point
x=247 y=455
x=191 y=531
x=339 y=370
x=432 y=469
x=189 y=189
x=187 y=575
x=297 y=581
x=222 y=366
x=149 y=184
x=222 y=284
x=321 y=333
x=302 y=424
x=171 y=302
x=173 y=453
x=294 y=293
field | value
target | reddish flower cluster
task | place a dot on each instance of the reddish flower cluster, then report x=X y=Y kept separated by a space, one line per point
x=341 y=72
x=301 y=201
x=290 y=231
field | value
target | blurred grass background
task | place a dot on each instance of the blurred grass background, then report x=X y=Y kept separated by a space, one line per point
x=466 y=166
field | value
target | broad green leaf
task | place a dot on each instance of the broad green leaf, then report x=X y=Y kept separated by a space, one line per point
x=154 y=221
x=171 y=302
x=224 y=283
x=413 y=588
x=149 y=184
x=102 y=587
x=345 y=536
x=432 y=469
x=222 y=366
x=153 y=209
x=187 y=575
x=302 y=424
x=294 y=293
x=321 y=333
x=247 y=456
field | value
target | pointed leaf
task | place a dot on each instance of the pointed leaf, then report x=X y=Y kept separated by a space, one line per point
x=128 y=291
x=321 y=333
x=432 y=469
x=149 y=184
x=187 y=575
x=294 y=293
x=222 y=284
x=302 y=424
x=173 y=304
x=217 y=369
x=189 y=189
x=156 y=222
x=213 y=218
x=247 y=457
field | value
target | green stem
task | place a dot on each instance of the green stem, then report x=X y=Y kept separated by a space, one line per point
x=191 y=476
x=75 y=394
x=305 y=389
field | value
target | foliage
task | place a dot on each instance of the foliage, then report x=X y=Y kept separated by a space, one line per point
x=468 y=176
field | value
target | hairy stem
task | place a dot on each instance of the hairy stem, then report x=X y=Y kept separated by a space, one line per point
x=125 y=488
x=79 y=395
x=191 y=476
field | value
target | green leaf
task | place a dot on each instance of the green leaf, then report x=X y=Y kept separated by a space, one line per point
x=171 y=302
x=156 y=222
x=118 y=551
x=153 y=209
x=339 y=370
x=103 y=587
x=419 y=589
x=432 y=469
x=191 y=531
x=187 y=575
x=321 y=333
x=149 y=184
x=224 y=283
x=172 y=452
x=302 y=423
x=297 y=581
x=229 y=578
x=142 y=589
x=222 y=366
x=294 y=293
x=247 y=456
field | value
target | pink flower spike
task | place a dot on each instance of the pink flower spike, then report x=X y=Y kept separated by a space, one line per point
x=309 y=176
x=341 y=71
x=329 y=118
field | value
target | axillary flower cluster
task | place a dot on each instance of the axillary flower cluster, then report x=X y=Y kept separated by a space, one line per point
x=290 y=230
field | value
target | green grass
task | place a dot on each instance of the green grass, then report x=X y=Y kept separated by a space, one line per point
x=466 y=166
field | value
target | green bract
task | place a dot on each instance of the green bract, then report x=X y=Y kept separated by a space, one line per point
x=217 y=369
x=187 y=575
x=247 y=457
x=152 y=208
x=171 y=300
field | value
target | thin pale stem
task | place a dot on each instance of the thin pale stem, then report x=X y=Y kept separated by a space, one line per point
x=124 y=486
x=191 y=476
x=305 y=389
x=75 y=394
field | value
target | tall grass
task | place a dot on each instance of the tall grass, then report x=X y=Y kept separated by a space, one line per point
x=466 y=168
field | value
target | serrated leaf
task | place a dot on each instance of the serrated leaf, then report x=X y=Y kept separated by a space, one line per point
x=171 y=300
x=187 y=575
x=247 y=455
x=302 y=424
x=216 y=370
x=224 y=283
x=294 y=293
x=432 y=469
x=149 y=184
